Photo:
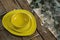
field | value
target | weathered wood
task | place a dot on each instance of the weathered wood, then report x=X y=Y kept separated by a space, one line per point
x=37 y=38
x=41 y=33
x=2 y=10
x=10 y=5
x=24 y=4
x=32 y=37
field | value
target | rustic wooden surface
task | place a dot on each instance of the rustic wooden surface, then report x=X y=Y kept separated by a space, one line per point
x=41 y=33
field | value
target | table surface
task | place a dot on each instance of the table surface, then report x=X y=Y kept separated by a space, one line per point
x=41 y=33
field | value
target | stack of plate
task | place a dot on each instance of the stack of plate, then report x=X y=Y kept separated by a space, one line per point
x=19 y=22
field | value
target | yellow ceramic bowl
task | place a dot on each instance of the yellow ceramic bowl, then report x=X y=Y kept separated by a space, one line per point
x=19 y=22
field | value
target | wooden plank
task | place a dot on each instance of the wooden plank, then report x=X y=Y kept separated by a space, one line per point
x=24 y=4
x=46 y=36
x=2 y=10
x=33 y=37
x=10 y=4
x=37 y=38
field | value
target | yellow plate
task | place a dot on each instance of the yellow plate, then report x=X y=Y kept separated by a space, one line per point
x=19 y=22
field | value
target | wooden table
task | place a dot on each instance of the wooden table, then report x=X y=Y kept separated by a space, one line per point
x=41 y=33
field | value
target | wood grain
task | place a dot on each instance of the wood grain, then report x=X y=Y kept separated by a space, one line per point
x=2 y=10
x=41 y=33
x=32 y=37
x=10 y=5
